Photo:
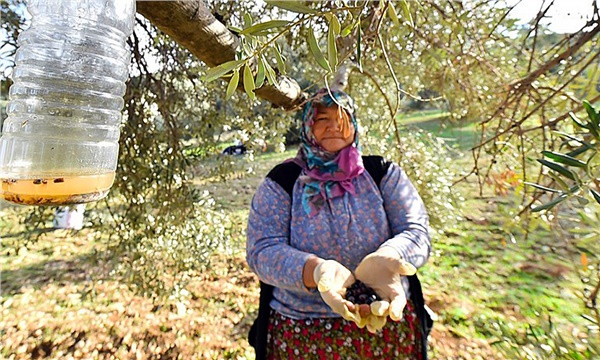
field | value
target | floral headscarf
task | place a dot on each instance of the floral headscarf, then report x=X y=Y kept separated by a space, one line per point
x=326 y=174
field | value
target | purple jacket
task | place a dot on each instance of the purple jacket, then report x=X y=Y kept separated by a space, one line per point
x=281 y=236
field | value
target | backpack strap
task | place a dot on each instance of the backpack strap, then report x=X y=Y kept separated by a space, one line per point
x=376 y=166
x=286 y=174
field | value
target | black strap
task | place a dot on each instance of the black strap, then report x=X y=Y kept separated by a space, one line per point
x=257 y=337
x=286 y=174
x=376 y=166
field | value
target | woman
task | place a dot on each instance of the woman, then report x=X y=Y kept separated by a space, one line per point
x=337 y=227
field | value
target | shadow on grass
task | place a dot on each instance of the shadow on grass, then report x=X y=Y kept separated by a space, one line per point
x=62 y=271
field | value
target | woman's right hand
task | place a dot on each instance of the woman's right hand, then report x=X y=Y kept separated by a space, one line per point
x=332 y=279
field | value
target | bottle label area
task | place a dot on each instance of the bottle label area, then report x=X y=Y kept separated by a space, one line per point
x=60 y=190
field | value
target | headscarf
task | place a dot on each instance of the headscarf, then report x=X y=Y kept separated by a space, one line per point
x=326 y=175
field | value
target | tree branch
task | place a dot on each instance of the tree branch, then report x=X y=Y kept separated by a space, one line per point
x=192 y=25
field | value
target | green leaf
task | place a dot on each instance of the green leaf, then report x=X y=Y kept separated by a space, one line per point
x=316 y=51
x=235 y=29
x=270 y=73
x=577 y=121
x=596 y=195
x=573 y=138
x=267 y=25
x=280 y=62
x=582 y=201
x=347 y=30
x=558 y=168
x=564 y=159
x=260 y=74
x=393 y=14
x=233 y=83
x=563 y=185
x=332 y=52
x=334 y=23
x=406 y=12
x=543 y=188
x=592 y=113
x=218 y=71
x=249 y=82
x=247 y=20
x=580 y=150
x=293 y=6
x=550 y=204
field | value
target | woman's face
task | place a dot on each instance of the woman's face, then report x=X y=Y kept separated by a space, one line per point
x=332 y=128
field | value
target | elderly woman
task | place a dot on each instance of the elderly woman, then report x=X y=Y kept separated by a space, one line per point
x=336 y=225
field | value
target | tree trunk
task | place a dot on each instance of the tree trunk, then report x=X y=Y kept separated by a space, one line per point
x=192 y=26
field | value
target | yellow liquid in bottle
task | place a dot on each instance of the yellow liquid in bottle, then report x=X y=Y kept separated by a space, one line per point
x=64 y=190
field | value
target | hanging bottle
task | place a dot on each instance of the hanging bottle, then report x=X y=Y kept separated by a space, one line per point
x=59 y=144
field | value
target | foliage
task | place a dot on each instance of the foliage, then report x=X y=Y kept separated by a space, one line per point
x=573 y=177
x=575 y=174
x=545 y=341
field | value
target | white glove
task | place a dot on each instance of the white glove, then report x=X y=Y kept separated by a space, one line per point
x=382 y=271
x=332 y=279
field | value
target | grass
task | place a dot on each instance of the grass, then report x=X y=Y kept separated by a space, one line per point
x=417 y=117
x=60 y=299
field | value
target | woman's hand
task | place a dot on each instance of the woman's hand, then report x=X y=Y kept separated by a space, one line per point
x=383 y=271
x=332 y=279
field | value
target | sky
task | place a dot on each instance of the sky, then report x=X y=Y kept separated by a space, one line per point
x=565 y=16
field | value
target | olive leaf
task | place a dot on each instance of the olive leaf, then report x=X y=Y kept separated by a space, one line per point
x=293 y=6
x=332 y=52
x=260 y=74
x=233 y=83
x=316 y=51
x=279 y=58
x=406 y=12
x=592 y=114
x=271 y=76
x=348 y=29
x=218 y=71
x=543 y=188
x=261 y=27
x=550 y=204
x=564 y=159
x=249 y=82
x=596 y=195
x=558 y=168
x=393 y=14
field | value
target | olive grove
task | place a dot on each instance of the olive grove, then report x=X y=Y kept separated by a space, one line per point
x=204 y=73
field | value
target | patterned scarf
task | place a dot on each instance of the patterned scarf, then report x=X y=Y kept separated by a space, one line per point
x=326 y=175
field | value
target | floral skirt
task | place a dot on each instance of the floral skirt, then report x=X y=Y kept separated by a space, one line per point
x=336 y=338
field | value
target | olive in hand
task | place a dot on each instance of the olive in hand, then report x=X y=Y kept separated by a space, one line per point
x=359 y=293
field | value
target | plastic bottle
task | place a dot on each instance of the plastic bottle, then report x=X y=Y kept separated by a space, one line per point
x=59 y=144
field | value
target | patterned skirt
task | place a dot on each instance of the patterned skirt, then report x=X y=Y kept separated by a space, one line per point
x=336 y=338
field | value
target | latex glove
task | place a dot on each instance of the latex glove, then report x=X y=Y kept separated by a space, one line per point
x=382 y=271
x=378 y=317
x=332 y=279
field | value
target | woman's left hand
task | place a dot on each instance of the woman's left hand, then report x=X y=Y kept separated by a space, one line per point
x=332 y=279
x=383 y=271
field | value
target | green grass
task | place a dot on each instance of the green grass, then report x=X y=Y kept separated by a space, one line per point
x=417 y=117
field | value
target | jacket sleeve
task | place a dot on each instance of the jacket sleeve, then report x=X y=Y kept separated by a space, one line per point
x=407 y=217
x=268 y=252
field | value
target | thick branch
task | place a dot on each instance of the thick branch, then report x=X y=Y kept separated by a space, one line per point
x=192 y=25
